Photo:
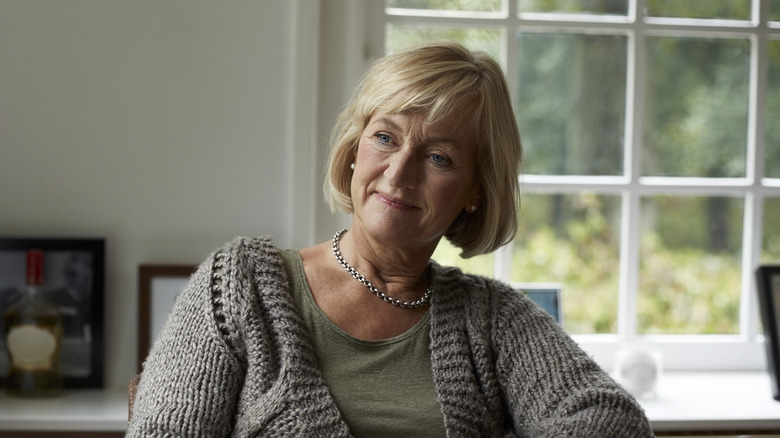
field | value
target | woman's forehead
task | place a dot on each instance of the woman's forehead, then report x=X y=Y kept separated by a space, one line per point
x=421 y=121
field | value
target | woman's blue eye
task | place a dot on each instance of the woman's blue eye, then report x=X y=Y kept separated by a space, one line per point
x=438 y=159
x=384 y=138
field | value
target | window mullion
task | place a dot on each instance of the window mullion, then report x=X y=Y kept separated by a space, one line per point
x=509 y=49
x=629 y=266
x=751 y=256
x=759 y=71
x=634 y=8
x=754 y=200
x=503 y=257
x=630 y=224
x=502 y=263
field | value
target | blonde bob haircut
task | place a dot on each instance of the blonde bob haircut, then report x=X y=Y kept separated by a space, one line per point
x=439 y=79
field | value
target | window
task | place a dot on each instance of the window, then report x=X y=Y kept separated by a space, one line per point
x=651 y=183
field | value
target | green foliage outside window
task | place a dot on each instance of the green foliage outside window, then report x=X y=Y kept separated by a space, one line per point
x=690 y=265
x=772 y=153
x=687 y=291
x=571 y=102
x=696 y=98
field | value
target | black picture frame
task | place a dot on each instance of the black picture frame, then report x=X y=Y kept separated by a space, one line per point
x=158 y=286
x=74 y=278
x=768 y=282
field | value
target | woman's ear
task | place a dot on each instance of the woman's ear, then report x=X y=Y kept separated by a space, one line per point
x=474 y=202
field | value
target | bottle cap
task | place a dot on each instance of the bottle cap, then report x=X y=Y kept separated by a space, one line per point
x=34 y=267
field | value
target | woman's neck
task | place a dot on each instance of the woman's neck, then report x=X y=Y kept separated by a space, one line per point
x=399 y=272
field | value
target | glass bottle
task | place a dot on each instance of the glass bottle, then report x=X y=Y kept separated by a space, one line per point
x=33 y=327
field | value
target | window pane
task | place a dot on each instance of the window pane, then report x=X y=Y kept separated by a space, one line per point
x=689 y=273
x=571 y=103
x=772 y=162
x=770 y=243
x=448 y=5
x=600 y=7
x=449 y=255
x=573 y=240
x=774 y=10
x=717 y=9
x=400 y=36
x=696 y=107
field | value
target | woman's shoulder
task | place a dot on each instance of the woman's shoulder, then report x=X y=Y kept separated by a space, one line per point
x=241 y=247
x=244 y=256
x=238 y=276
x=246 y=263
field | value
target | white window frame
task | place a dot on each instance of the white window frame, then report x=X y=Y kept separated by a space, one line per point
x=742 y=352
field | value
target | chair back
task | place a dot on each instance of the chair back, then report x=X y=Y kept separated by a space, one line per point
x=132 y=389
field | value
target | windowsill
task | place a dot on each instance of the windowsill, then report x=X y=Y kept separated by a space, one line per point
x=686 y=402
x=683 y=353
x=713 y=402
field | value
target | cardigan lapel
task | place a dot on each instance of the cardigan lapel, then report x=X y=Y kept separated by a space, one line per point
x=461 y=355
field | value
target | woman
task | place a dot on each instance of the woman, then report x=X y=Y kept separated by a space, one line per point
x=364 y=335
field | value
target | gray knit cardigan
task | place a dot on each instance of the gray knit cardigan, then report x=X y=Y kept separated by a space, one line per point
x=233 y=359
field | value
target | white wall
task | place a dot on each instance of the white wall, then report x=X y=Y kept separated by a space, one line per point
x=343 y=59
x=168 y=127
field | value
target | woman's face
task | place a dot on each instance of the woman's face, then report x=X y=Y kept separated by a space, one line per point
x=412 y=180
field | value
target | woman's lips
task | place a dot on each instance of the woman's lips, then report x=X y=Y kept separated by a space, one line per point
x=394 y=202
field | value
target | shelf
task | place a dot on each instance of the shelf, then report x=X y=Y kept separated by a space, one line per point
x=76 y=410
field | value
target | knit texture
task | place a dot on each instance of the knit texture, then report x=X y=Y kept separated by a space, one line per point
x=233 y=359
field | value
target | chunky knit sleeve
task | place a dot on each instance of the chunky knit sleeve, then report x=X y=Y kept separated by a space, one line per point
x=195 y=369
x=553 y=388
x=233 y=358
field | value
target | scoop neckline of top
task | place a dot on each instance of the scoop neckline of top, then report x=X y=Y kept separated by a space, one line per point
x=309 y=296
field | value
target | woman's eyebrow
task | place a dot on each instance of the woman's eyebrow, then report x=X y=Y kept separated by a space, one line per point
x=387 y=122
x=390 y=123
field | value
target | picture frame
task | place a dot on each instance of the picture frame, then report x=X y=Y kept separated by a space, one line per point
x=547 y=295
x=768 y=288
x=74 y=279
x=158 y=286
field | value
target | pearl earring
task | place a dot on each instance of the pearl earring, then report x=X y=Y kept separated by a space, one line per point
x=352 y=166
x=472 y=208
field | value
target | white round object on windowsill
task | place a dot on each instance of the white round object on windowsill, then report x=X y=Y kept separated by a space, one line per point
x=638 y=371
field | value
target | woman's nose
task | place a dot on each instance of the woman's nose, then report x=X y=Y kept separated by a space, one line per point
x=403 y=170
